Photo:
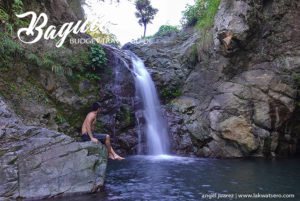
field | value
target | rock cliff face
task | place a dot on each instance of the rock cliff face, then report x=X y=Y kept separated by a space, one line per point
x=37 y=162
x=237 y=81
x=41 y=114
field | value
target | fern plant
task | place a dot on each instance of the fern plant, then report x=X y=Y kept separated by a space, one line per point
x=8 y=11
x=98 y=56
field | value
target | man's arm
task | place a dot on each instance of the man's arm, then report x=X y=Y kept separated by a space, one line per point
x=89 y=129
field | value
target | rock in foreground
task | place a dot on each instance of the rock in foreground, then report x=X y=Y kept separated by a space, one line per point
x=38 y=163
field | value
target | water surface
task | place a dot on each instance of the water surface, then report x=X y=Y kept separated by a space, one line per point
x=183 y=178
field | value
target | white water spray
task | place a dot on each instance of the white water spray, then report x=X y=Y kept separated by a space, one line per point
x=155 y=128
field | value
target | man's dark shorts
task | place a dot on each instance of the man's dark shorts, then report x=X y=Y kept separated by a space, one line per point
x=100 y=137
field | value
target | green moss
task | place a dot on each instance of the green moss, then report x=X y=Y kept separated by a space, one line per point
x=2 y=94
x=34 y=90
x=170 y=93
x=193 y=54
x=4 y=69
x=60 y=119
x=99 y=127
x=12 y=86
x=124 y=116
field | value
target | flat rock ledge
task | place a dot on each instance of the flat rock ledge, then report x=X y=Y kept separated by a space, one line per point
x=39 y=163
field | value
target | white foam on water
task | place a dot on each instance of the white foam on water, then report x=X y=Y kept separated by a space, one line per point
x=166 y=158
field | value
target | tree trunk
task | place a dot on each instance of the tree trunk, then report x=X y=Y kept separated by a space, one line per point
x=145 y=28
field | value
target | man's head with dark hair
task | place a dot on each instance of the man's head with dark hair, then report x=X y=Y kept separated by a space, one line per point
x=96 y=106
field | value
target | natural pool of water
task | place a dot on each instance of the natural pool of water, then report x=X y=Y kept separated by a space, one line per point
x=184 y=178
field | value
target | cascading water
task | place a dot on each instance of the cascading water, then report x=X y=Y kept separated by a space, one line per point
x=154 y=125
x=155 y=128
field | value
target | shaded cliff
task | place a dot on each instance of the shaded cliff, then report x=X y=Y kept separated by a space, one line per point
x=45 y=93
x=232 y=90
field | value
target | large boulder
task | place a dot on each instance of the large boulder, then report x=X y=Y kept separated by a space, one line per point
x=239 y=130
x=37 y=162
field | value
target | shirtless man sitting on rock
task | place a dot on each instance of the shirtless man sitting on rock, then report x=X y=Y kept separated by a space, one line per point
x=87 y=133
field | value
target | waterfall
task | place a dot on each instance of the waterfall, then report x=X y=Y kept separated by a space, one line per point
x=155 y=126
x=139 y=151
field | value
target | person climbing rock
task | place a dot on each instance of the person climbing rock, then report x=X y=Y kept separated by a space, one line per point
x=226 y=37
x=87 y=132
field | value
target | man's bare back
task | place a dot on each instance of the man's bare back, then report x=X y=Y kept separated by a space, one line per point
x=91 y=118
x=88 y=125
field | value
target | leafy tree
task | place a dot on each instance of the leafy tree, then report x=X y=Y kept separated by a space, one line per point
x=201 y=14
x=163 y=29
x=145 y=13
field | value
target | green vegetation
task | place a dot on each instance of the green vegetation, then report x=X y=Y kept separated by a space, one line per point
x=8 y=11
x=164 y=29
x=201 y=14
x=9 y=51
x=98 y=56
x=98 y=126
x=33 y=58
x=124 y=116
x=144 y=38
x=88 y=64
x=145 y=13
x=24 y=68
x=85 y=64
x=170 y=93
x=78 y=62
x=48 y=62
x=60 y=119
